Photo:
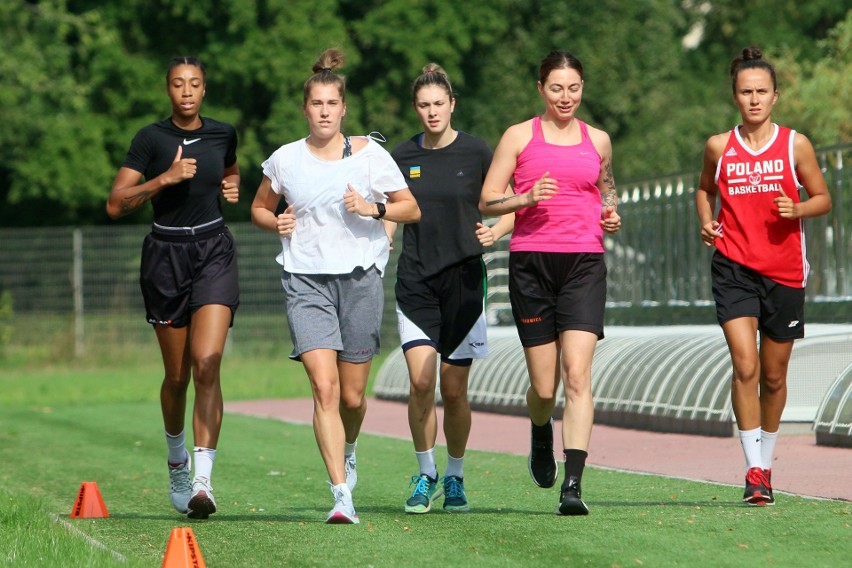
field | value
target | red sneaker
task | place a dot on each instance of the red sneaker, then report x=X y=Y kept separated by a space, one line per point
x=767 y=476
x=756 y=492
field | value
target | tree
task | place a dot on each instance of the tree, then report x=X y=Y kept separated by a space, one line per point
x=815 y=95
x=80 y=77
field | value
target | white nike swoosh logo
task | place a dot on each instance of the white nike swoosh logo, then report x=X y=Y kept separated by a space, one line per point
x=188 y=142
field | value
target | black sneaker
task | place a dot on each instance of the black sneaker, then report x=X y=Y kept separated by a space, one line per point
x=543 y=467
x=570 y=502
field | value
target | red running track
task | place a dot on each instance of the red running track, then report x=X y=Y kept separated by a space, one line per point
x=801 y=467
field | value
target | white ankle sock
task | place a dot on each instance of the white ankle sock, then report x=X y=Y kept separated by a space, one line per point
x=767 y=447
x=349 y=449
x=204 y=458
x=427 y=463
x=455 y=467
x=177 y=448
x=750 y=440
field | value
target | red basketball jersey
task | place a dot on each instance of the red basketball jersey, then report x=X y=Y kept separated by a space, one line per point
x=753 y=234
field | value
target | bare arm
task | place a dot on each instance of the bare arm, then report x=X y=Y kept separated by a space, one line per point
x=263 y=211
x=390 y=231
x=705 y=194
x=504 y=226
x=400 y=208
x=487 y=236
x=493 y=199
x=127 y=194
x=610 y=220
x=231 y=184
x=810 y=176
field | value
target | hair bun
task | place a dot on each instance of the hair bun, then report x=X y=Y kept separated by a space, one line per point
x=752 y=53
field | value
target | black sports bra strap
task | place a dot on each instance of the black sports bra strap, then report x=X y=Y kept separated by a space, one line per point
x=347 y=147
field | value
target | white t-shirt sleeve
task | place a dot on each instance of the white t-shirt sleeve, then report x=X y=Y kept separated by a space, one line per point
x=385 y=176
x=275 y=167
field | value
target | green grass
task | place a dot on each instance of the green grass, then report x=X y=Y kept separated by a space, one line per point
x=65 y=425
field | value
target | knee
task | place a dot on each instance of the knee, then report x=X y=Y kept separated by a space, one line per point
x=326 y=394
x=746 y=371
x=453 y=395
x=176 y=380
x=542 y=394
x=205 y=368
x=352 y=401
x=577 y=386
x=423 y=389
x=774 y=382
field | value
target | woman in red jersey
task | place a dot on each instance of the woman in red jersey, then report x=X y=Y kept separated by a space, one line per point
x=565 y=199
x=759 y=266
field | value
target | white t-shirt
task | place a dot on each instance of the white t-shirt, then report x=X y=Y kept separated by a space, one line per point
x=328 y=239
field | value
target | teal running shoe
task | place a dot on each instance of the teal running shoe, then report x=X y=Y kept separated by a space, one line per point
x=425 y=491
x=455 y=500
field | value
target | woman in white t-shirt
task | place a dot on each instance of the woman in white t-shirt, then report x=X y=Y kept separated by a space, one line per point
x=334 y=251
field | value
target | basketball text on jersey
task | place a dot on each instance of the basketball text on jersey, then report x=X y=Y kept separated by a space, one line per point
x=754 y=177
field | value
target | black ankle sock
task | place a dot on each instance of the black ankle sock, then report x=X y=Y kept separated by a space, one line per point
x=575 y=462
x=544 y=432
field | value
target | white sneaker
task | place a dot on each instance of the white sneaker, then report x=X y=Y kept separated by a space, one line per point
x=343 y=512
x=351 y=472
x=180 y=488
x=202 y=504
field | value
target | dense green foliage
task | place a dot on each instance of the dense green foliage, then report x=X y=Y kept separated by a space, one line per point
x=79 y=77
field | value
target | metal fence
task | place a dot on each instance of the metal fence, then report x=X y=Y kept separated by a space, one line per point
x=75 y=290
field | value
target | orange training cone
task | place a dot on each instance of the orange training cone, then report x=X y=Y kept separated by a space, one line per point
x=89 y=503
x=182 y=550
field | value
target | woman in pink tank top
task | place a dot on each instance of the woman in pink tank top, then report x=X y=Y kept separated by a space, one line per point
x=564 y=200
x=759 y=268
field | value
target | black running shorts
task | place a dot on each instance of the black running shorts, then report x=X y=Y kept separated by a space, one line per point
x=446 y=307
x=741 y=292
x=555 y=292
x=181 y=273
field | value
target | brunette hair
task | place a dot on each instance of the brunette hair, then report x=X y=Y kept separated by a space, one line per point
x=558 y=59
x=433 y=74
x=751 y=58
x=323 y=73
x=186 y=60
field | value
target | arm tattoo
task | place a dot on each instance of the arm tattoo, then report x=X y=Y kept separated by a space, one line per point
x=502 y=200
x=609 y=196
x=133 y=202
x=609 y=180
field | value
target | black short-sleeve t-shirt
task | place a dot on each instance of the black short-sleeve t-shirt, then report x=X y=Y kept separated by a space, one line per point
x=446 y=182
x=194 y=201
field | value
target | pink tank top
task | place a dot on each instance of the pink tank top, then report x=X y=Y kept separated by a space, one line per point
x=570 y=221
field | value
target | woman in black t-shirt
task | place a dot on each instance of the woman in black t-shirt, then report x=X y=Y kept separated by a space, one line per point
x=440 y=286
x=188 y=271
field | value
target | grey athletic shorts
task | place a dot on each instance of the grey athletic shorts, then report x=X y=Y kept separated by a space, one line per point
x=342 y=312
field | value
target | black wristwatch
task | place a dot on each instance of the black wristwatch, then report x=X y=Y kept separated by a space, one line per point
x=380 y=207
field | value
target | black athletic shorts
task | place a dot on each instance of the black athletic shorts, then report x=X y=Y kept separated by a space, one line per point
x=740 y=292
x=183 y=272
x=445 y=311
x=554 y=292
